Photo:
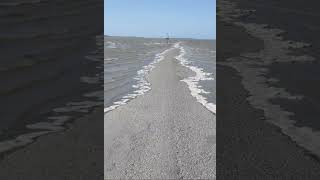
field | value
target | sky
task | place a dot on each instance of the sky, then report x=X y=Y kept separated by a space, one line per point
x=155 y=18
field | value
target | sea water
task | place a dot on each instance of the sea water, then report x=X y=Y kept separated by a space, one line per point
x=127 y=61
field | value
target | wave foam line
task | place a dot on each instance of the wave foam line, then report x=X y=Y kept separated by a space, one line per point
x=193 y=81
x=142 y=85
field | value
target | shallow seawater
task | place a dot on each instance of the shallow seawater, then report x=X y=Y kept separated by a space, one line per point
x=123 y=58
x=202 y=54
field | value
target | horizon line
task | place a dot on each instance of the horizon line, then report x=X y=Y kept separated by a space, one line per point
x=162 y=37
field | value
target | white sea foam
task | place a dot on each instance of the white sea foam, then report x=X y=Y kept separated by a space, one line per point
x=193 y=81
x=142 y=85
x=110 y=59
x=153 y=43
x=111 y=45
x=21 y=140
x=90 y=80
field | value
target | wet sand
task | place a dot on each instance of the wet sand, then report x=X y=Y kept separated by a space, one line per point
x=250 y=145
x=163 y=134
x=72 y=154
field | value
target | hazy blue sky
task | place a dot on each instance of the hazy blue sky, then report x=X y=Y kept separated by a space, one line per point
x=155 y=18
